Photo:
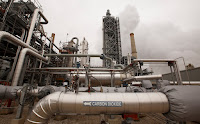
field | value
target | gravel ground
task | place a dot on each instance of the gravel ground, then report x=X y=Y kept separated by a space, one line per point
x=89 y=119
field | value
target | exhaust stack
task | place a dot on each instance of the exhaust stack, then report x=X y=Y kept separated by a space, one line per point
x=133 y=47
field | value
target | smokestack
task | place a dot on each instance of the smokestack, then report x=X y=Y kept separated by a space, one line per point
x=133 y=47
x=53 y=37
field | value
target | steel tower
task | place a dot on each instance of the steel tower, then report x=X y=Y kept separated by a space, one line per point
x=111 y=39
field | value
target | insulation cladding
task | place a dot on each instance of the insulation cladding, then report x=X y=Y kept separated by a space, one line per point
x=111 y=39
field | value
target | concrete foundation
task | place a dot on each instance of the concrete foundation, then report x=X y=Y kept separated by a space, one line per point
x=18 y=121
x=5 y=111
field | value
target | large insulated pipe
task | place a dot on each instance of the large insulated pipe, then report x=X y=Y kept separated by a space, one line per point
x=9 y=92
x=133 y=47
x=97 y=103
x=15 y=40
x=33 y=22
x=21 y=62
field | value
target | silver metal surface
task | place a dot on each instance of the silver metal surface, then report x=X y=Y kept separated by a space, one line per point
x=15 y=40
x=119 y=65
x=105 y=79
x=154 y=60
x=21 y=62
x=60 y=102
x=146 y=77
x=80 y=69
x=9 y=92
x=33 y=21
x=9 y=77
x=74 y=55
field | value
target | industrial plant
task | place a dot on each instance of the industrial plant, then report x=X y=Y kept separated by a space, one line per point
x=41 y=81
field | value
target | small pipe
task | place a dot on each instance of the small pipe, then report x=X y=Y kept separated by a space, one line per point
x=74 y=55
x=83 y=55
x=147 y=77
x=9 y=77
x=148 y=60
x=76 y=42
x=34 y=19
x=154 y=60
x=74 y=69
x=48 y=39
x=119 y=65
x=110 y=59
x=43 y=51
x=53 y=43
x=20 y=63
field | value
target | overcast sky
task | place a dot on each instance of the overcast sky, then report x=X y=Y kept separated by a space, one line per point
x=162 y=28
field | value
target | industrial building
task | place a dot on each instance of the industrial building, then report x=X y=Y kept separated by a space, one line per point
x=49 y=81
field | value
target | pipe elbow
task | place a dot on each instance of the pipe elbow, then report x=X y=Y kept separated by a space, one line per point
x=44 y=109
x=36 y=11
x=4 y=34
x=119 y=65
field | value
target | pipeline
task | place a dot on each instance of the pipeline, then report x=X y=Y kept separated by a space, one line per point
x=140 y=78
x=15 y=40
x=13 y=92
x=105 y=79
x=9 y=92
x=21 y=62
x=97 y=103
x=34 y=19
x=119 y=65
x=74 y=55
x=102 y=56
x=76 y=40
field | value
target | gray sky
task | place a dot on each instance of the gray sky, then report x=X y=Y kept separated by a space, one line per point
x=163 y=28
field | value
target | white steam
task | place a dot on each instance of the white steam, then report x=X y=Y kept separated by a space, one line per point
x=129 y=19
x=163 y=40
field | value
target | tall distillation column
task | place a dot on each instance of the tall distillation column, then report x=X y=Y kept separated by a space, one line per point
x=83 y=49
x=111 y=39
